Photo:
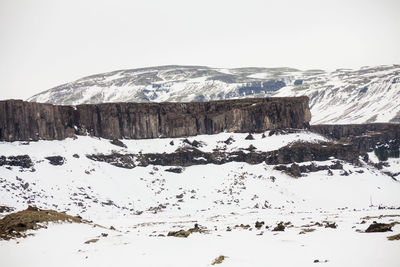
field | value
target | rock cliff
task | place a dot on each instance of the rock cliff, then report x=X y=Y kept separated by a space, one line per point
x=20 y=120
x=365 y=137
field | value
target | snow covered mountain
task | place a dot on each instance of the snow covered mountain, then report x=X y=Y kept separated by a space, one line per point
x=369 y=94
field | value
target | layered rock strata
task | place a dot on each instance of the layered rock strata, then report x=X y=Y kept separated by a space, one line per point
x=20 y=120
x=299 y=152
x=365 y=137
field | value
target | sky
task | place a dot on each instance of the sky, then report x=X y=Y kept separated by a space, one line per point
x=45 y=43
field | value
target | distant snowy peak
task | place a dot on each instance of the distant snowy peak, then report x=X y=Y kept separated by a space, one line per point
x=369 y=94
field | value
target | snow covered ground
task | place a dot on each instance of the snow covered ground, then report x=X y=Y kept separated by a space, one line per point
x=138 y=244
x=144 y=203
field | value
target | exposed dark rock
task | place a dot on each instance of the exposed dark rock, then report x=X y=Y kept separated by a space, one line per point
x=175 y=170
x=118 y=143
x=76 y=156
x=294 y=170
x=4 y=209
x=180 y=233
x=365 y=137
x=280 y=227
x=23 y=161
x=243 y=226
x=249 y=137
x=331 y=225
x=258 y=224
x=379 y=227
x=309 y=168
x=218 y=260
x=94 y=240
x=195 y=143
x=251 y=148
x=301 y=152
x=344 y=173
x=186 y=233
x=20 y=120
x=108 y=203
x=390 y=149
x=56 y=160
x=394 y=237
x=187 y=157
x=229 y=141
x=336 y=166
x=116 y=159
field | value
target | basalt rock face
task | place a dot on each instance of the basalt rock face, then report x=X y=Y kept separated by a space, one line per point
x=365 y=137
x=21 y=120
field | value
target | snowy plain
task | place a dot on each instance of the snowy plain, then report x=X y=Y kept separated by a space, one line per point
x=144 y=203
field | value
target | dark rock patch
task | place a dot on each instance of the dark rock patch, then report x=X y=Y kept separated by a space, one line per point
x=249 y=137
x=298 y=152
x=379 y=227
x=56 y=160
x=229 y=141
x=394 y=237
x=118 y=142
x=5 y=209
x=365 y=137
x=175 y=170
x=195 y=143
x=258 y=224
x=279 y=228
x=23 y=161
x=293 y=170
x=185 y=233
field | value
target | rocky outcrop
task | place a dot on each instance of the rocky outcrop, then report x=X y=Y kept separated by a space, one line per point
x=23 y=161
x=299 y=152
x=365 y=137
x=20 y=120
x=339 y=131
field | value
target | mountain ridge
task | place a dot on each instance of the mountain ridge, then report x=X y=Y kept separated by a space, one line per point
x=365 y=95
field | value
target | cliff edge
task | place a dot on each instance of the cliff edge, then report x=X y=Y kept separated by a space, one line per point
x=24 y=121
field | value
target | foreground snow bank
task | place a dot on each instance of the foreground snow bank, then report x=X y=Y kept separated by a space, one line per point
x=138 y=244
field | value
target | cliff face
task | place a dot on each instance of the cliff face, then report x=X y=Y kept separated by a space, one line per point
x=21 y=120
x=365 y=137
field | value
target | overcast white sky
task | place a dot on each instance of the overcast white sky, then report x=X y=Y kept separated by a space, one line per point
x=44 y=43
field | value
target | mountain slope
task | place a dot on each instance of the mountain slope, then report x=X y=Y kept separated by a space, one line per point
x=370 y=94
